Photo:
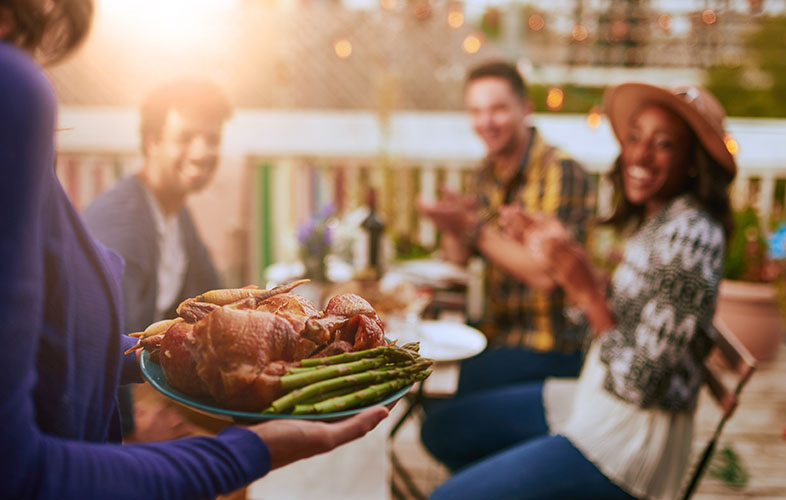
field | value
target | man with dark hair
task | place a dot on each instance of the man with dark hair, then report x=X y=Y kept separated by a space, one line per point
x=530 y=337
x=145 y=219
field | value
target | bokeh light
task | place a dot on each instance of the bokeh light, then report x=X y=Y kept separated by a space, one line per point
x=472 y=44
x=579 y=33
x=536 y=22
x=343 y=48
x=555 y=98
x=731 y=145
x=455 y=18
x=708 y=16
x=664 y=21
x=594 y=117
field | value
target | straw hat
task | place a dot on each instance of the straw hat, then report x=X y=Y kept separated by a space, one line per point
x=700 y=110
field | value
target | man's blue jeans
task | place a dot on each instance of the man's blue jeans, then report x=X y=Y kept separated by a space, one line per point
x=500 y=366
x=498 y=445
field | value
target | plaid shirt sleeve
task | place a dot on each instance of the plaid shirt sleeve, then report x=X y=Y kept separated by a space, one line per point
x=577 y=199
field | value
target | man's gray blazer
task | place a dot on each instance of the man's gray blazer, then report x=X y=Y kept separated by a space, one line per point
x=122 y=219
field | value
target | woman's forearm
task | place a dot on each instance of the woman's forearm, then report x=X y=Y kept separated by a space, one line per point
x=573 y=271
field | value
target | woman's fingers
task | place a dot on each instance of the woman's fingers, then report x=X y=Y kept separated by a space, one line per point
x=291 y=440
x=357 y=425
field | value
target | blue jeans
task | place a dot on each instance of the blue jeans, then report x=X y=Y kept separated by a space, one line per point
x=498 y=445
x=499 y=366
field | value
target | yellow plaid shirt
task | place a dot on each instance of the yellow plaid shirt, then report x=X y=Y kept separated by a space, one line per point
x=547 y=181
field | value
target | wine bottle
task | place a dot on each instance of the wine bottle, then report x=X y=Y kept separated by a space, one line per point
x=375 y=228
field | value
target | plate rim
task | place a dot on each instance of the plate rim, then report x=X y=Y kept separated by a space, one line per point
x=482 y=340
x=146 y=364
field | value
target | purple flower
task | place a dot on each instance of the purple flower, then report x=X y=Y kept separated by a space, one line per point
x=326 y=211
x=315 y=236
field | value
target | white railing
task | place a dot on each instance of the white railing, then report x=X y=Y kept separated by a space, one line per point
x=279 y=167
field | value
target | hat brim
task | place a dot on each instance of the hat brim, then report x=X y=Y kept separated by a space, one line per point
x=621 y=102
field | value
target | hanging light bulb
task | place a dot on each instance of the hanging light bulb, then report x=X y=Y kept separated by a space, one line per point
x=471 y=44
x=555 y=98
x=731 y=145
x=664 y=21
x=536 y=22
x=709 y=16
x=455 y=17
x=594 y=117
x=579 y=33
x=388 y=4
x=343 y=48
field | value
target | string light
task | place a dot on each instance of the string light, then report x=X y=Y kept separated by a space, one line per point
x=388 y=4
x=731 y=145
x=455 y=18
x=594 y=117
x=422 y=10
x=664 y=21
x=536 y=22
x=343 y=48
x=579 y=33
x=555 y=98
x=471 y=44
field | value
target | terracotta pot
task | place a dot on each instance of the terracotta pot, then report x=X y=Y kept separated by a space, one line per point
x=751 y=311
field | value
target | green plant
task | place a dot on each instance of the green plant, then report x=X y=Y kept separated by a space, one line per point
x=727 y=467
x=746 y=257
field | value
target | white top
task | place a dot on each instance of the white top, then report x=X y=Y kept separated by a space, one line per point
x=173 y=258
x=643 y=451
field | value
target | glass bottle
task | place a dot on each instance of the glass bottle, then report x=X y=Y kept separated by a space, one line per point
x=375 y=228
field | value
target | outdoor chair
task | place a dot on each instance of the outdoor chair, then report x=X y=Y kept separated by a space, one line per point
x=739 y=360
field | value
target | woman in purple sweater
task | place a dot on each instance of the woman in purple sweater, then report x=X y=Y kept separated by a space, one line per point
x=60 y=320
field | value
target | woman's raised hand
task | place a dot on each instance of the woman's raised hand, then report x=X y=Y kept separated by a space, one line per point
x=562 y=258
x=546 y=237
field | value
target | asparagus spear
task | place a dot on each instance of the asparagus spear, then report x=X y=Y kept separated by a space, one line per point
x=362 y=397
x=391 y=352
x=295 y=380
x=320 y=388
x=411 y=346
x=332 y=394
x=299 y=369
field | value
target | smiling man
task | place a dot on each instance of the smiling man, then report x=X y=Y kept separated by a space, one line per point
x=145 y=218
x=530 y=337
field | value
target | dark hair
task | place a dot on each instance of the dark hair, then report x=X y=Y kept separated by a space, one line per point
x=49 y=30
x=499 y=69
x=199 y=97
x=709 y=187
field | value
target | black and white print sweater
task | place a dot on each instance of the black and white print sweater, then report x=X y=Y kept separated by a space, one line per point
x=663 y=294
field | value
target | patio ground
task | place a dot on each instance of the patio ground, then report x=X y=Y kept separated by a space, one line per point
x=754 y=432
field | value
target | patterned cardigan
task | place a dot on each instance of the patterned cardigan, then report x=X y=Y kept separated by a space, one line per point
x=663 y=294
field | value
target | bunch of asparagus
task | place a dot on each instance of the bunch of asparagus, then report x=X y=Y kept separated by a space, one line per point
x=349 y=380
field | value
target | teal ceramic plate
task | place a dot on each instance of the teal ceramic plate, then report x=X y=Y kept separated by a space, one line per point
x=155 y=375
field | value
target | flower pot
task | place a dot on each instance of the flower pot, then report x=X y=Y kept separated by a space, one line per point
x=750 y=310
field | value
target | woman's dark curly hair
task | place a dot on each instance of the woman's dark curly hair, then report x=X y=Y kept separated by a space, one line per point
x=48 y=29
x=710 y=187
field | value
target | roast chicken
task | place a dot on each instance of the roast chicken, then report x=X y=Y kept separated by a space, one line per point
x=237 y=352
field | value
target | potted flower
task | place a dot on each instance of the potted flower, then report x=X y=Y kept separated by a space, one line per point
x=315 y=238
x=748 y=297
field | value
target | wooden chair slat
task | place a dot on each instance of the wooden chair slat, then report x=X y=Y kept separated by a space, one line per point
x=743 y=364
